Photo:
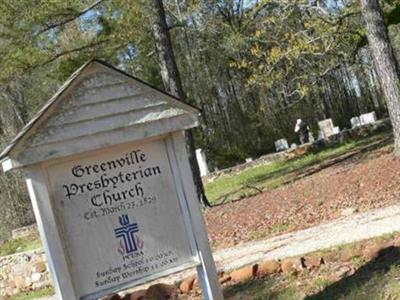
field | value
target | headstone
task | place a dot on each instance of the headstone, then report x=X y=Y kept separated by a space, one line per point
x=281 y=145
x=355 y=122
x=311 y=138
x=336 y=130
x=326 y=127
x=321 y=135
x=201 y=160
x=369 y=118
x=111 y=186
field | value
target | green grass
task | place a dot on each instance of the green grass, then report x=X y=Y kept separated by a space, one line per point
x=252 y=180
x=32 y=295
x=20 y=245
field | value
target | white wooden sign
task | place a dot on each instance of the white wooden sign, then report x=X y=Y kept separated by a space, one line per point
x=114 y=198
x=120 y=215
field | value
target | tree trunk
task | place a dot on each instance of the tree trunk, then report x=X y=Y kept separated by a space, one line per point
x=385 y=62
x=173 y=84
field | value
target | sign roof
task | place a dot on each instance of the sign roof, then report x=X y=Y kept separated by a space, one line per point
x=98 y=106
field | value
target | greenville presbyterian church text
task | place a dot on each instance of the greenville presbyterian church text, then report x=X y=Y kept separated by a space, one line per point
x=103 y=184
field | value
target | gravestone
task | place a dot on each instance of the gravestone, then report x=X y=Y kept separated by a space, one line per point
x=326 y=127
x=281 y=145
x=368 y=118
x=111 y=185
x=336 y=130
x=201 y=160
x=311 y=138
x=321 y=135
x=355 y=122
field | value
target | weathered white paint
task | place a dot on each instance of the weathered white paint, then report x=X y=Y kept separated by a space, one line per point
x=89 y=217
x=104 y=124
x=97 y=141
x=207 y=272
x=105 y=93
x=46 y=219
x=96 y=101
x=71 y=115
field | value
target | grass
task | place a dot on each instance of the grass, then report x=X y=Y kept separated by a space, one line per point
x=32 y=295
x=377 y=279
x=20 y=245
x=254 y=179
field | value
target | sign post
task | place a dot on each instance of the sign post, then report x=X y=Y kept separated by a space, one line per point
x=111 y=186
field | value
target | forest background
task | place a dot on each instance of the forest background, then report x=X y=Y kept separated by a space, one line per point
x=252 y=67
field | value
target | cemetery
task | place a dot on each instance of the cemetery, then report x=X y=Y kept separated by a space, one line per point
x=115 y=175
x=220 y=232
x=336 y=259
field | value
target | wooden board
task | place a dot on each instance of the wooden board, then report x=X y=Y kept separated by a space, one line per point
x=121 y=217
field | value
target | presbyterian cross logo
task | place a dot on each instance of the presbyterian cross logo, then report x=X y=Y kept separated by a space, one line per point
x=127 y=234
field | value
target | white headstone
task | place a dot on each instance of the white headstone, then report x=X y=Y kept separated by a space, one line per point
x=336 y=130
x=321 y=135
x=355 y=122
x=326 y=127
x=111 y=185
x=369 y=118
x=281 y=145
x=201 y=160
x=311 y=138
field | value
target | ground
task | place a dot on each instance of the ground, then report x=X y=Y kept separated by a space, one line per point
x=20 y=245
x=302 y=193
x=32 y=295
x=359 y=182
x=367 y=269
x=296 y=194
x=363 y=271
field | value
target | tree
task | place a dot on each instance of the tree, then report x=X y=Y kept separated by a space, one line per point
x=173 y=84
x=385 y=61
x=252 y=67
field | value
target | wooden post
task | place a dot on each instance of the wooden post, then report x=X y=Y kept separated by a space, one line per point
x=207 y=271
x=46 y=220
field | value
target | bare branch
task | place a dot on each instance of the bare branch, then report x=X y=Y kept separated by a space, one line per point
x=69 y=19
x=70 y=51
